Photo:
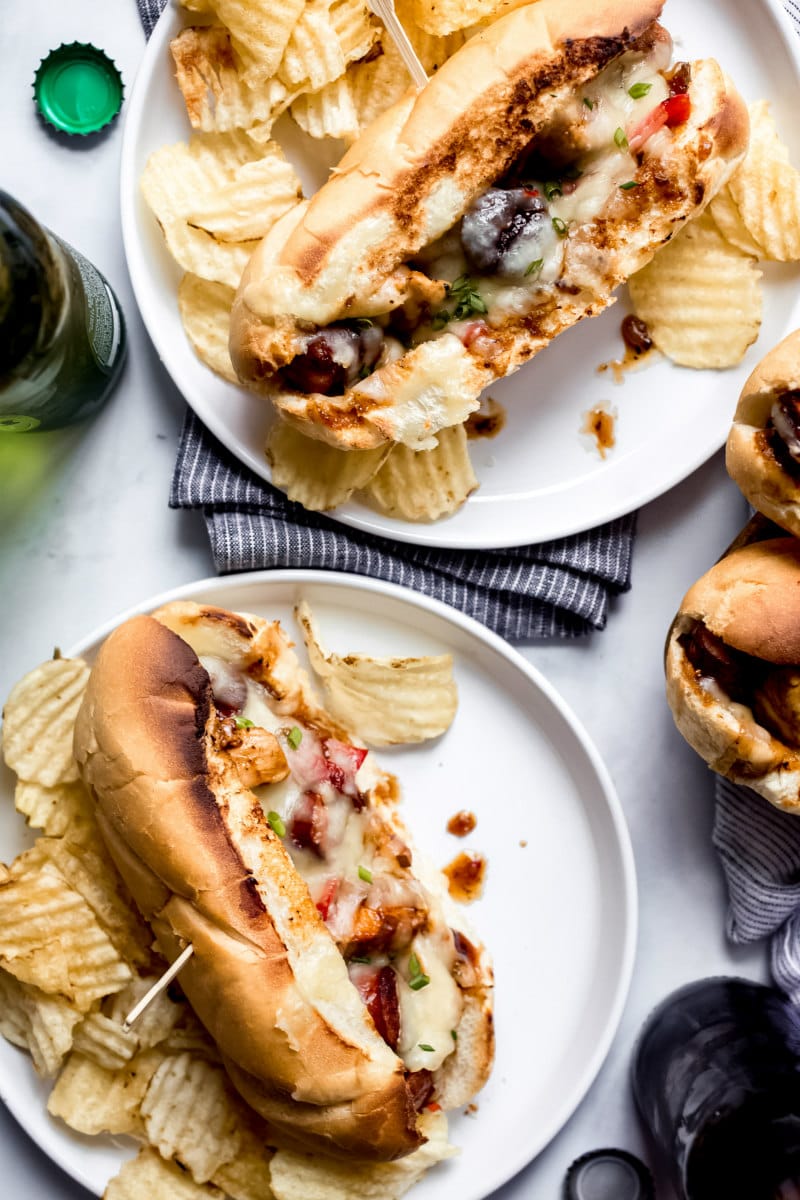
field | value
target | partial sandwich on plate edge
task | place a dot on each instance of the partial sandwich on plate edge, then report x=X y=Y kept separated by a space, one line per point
x=390 y=912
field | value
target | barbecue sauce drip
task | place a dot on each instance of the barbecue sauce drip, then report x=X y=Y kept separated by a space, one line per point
x=462 y=823
x=465 y=877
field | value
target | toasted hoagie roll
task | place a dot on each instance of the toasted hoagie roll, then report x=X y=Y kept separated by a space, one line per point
x=543 y=164
x=763 y=450
x=329 y=965
x=733 y=668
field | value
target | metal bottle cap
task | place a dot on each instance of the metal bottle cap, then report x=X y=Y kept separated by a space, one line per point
x=77 y=88
x=608 y=1175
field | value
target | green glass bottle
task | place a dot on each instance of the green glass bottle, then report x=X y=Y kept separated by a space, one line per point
x=62 y=334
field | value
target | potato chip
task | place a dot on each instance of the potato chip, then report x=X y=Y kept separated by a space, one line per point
x=205 y=309
x=92 y=1100
x=386 y=701
x=297 y=1176
x=150 y=1177
x=356 y=29
x=178 y=178
x=247 y=1176
x=260 y=31
x=729 y=221
x=197 y=6
x=313 y=55
x=215 y=93
x=159 y=1018
x=700 y=298
x=766 y=190
x=89 y=870
x=421 y=485
x=329 y=112
x=104 y=1041
x=432 y=49
x=50 y=937
x=53 y=809
x=189 y=1114
x=251 y=203
x=36 y=1022
x=441 y=17
x=317 y=475
x=378 y=83
x=38 y=720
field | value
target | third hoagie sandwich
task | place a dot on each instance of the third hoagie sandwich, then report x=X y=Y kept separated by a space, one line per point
x=329 y=964
x=541 y=166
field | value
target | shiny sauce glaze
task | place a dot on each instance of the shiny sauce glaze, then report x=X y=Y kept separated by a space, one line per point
x=465 y=877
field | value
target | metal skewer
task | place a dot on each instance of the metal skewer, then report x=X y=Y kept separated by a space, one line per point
x=158 y=987
x=385 y=10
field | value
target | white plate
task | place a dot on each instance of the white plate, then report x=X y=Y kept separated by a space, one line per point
x=540 y=478
x=559 y=914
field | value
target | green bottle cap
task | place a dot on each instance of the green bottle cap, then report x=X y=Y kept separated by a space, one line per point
x=78 y=88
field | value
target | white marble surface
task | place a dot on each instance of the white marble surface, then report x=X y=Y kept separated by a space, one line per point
x=86 y=532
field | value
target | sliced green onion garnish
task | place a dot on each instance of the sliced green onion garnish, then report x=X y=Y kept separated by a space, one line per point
x=365 y=874
x=361 y=958
x=419 y=981
x=535 y=266
x=620 y=139
x=626 y=187
x=454 y=1035
x=560 y=226
x=638 y=90
x=551 y=190
x=295 y=736
x=244 y=723
x=589 y=103
x=276 y=824
x=425 y=1046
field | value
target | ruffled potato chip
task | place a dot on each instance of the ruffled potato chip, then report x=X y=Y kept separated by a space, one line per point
x=442 y=17
x=54 y=810
x=766 y=190
x=329 y=112
x=205 y=309
x=247 y=1176
x=189 y=1114
x=180 y=180
x=247 y=206
x=91 y=1099
x=156 y=1022
x=424 y=485
x=313 y=56
x=104 y=1041
x=150 y=1177
x=260 y=31
x=41 y=1024
x=89 y=871
x=38 y=720
x=298 y=1176
x=214 y=90
x=317 y=475
x=51 y=938
x=386 y=701
x=356 y=29
x=729 y=221
x=700 y=298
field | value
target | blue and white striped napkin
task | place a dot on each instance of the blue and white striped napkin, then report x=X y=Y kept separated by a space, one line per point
x=560 y=589
x=759 y=848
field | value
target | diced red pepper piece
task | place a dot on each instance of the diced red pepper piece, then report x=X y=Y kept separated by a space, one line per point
x=676 y=110
x=378 y=990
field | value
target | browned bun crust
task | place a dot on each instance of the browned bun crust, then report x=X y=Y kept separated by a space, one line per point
x=749 y=456
x=414 y=172
x=750 y=600
x=206 y=869
x=140 y=747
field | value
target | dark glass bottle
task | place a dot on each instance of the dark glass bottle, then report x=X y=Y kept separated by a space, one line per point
x=716 y=1078
x=62 y=334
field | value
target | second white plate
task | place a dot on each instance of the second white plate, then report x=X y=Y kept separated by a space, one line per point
x=559 y=909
